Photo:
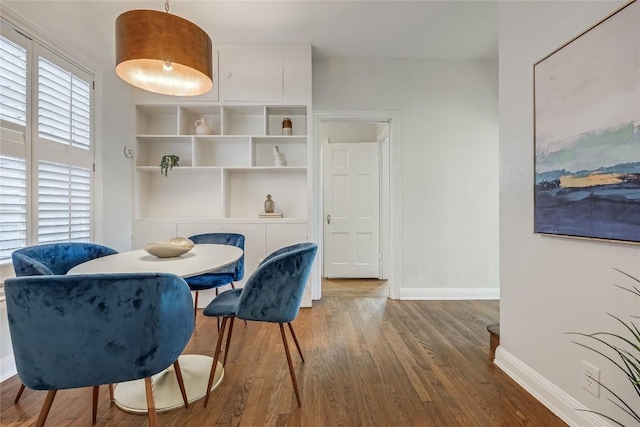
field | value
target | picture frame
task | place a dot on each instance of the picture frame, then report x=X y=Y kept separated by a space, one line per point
x=587 y=133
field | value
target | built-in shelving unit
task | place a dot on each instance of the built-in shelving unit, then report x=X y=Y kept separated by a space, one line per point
x=224 y=175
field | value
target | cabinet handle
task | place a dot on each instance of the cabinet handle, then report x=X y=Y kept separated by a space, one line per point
x=328 y=219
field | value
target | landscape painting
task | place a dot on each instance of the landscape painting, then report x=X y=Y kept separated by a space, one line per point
x=587 y=133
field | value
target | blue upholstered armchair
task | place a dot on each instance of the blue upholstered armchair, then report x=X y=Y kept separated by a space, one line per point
x=88 y=330
x=273 y=293
x=225 y=276
x=55 y=258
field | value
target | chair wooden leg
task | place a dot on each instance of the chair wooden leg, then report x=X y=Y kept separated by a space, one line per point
x=183 y=391
x=195 y=305
x=151 y=404
x=20 y=391
x=291 y=371
x=94 y=412
x=111 y=398
x=46 y=406
x=216 y=356
x=295 y=339
x=226 y=350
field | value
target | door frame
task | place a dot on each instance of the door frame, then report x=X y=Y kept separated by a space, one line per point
x=390 y=192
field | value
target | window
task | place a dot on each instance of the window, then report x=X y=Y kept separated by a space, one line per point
x=46 y=150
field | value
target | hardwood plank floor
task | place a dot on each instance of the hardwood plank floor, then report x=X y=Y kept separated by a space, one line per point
x=370 y=361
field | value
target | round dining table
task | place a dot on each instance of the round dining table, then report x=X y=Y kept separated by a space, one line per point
x=203 y=258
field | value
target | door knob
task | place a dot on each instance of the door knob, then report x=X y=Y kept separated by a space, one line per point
x=328 y=219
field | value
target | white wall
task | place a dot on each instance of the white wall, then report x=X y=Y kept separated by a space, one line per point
x=449 y=115
x=549 y=286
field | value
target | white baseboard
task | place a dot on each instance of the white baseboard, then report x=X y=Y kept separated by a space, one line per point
x=7 y=367
x=550 y=395
x=449 y=293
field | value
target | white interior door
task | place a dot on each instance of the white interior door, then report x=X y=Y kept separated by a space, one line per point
x=352 y=210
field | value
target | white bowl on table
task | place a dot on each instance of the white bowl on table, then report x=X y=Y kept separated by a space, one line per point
x=173 y=247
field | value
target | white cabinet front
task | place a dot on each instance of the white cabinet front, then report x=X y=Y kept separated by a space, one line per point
x=251 y=74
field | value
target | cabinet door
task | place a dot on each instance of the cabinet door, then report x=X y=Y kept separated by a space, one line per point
x=251 y=74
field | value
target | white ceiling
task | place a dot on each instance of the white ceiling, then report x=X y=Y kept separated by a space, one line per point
x=447 y=29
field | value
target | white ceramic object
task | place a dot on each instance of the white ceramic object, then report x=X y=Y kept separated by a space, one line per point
x=173 y=247
x=204 y=127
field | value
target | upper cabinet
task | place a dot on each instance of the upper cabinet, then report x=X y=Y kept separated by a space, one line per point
x=248 y=73
x=251 y=74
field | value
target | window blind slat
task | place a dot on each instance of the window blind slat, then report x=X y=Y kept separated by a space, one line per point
x=13 y=72
x=13 y=205
x=64 y=106
x=64 y=196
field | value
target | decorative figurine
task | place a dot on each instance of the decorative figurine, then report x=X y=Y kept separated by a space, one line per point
x=269 y=205
x=279 y=159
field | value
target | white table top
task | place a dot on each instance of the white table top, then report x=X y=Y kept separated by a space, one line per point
x=203 y=258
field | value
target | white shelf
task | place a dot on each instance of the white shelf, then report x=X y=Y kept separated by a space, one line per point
x=226 y=175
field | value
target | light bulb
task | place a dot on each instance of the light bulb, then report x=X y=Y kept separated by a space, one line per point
x=167 y=66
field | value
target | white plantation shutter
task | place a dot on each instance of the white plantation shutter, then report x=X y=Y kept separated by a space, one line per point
x=64 y=106
x=64 y=203
x=13 y=82
x=13 y=205
x=46 y=146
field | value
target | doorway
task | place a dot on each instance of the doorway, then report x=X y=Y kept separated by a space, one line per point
x=356 y=223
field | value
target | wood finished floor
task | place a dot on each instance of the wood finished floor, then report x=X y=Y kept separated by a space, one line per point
x=370 y=361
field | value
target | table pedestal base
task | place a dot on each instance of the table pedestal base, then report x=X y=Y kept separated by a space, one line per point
x=131 y=396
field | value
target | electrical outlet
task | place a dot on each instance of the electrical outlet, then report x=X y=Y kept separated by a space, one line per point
x=590 y=378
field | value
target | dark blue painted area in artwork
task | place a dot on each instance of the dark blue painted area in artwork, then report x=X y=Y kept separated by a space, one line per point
x=605 y=212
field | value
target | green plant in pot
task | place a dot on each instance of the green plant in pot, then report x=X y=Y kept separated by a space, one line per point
x=623 y=351
x=168 y=162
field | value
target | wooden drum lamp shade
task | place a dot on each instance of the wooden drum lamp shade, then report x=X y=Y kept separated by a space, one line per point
x=163 y=53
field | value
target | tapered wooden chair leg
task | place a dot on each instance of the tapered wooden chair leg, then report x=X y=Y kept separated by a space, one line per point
x=216 y=356
x=195 y=305
x=111 y=398
x=291 y=371
x=183 y=391
x=151 y=404
x=94 y=411
x=46 y=407
x=295 y=339
x=20 y=391
x=226 y=350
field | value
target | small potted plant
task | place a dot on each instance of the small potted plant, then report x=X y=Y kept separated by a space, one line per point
x=168 y=162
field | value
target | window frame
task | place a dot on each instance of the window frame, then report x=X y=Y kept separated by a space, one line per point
x=25 y=143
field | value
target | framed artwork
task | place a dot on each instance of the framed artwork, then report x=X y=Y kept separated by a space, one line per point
x=587 y=133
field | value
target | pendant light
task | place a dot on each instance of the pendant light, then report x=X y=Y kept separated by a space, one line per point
x=163 y=53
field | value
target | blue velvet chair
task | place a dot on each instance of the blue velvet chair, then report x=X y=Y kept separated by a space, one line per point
x=55 y=258
x=87 y=330
x=273 y=293
x=225 y=276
